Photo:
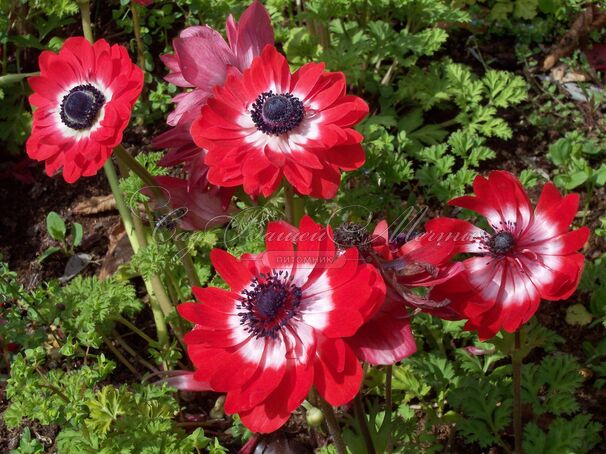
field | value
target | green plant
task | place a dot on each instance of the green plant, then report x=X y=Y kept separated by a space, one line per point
x=578 y=160
x=88 y=307
x=57 y=230
x=593 y=284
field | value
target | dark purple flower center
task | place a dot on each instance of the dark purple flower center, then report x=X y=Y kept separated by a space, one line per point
x=501 y=243
x=275 y=114
x=269 y=304
x=80 y=107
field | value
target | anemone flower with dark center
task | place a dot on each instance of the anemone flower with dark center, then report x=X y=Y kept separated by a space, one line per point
x=280 y=328
x=83 y=98
x=267 y=125
x=529 y=254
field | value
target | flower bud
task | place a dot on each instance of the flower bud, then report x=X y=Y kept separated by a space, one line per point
x=314 y=417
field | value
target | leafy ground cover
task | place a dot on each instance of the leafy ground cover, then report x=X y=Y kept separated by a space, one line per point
x=454 y=90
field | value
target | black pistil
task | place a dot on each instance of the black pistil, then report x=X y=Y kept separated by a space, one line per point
x=276 y=114
x=270 y=303
x=80 y=107
x=501 y=243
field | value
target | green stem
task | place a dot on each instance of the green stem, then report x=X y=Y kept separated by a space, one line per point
x=135 y=330
x=516 y=362
x=14 y=78
x=121 y=357
x=133 y=353
x=333 y=425
x=360 y=415
x=149 y=180
x=388 y=408
x=138 y=169
x=125 y=213
x=294 y=205
x=137 y=29
x=138 y=241
x=588 y=199
x=50 y=386
x=86 y=26
x=187 y=262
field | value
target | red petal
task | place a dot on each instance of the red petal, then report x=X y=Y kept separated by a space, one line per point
x=231 y=270
x=338 y=373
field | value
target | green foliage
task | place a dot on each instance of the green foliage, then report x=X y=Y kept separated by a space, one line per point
x=132 y=185
x=106 y=420
x=121 y=420
x=59 y=8
x=596 y=361
x=550 y=386
x=26 y=314
x=438 y=175
x=57 y=230
x=28 y=445
x=89 y=307
x=51 y=396
x=486 y=406
x=155 y=258
x=593 y=284
x=578 y=434
x=577 y=158
x=524 y=10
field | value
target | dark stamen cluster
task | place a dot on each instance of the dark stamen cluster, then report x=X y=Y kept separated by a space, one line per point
x=350 y=234
x=502 y=241
x=80 y=107
x=276 y=114
x=268 y=306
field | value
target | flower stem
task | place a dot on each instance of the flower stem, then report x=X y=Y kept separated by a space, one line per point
x=333 y=425
x=137 y=30
x=125 y=214
x=85 y=13
x=363 y=423
x=516 y=362
x=137 y=241
x=388 y=409
x=135 y=330
x=138 y=169
x=133 y=353
x=295 y=206
x=9 y=79
x=149 y=180
x=120 y=356
x=187 y=263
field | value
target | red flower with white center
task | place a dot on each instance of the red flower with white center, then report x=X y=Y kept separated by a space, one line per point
x=83 y=98
x=528 y=256
x=387 y=337
x=280 y=328
x=269 y=124
x=200 y=62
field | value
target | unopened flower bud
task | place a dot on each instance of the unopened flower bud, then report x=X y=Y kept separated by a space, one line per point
x=314 y=417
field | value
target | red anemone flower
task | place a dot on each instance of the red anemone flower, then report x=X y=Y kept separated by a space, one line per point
x=279 y=329
x=199 y=63
x=143 y=2
x=83 y=99
x=268 y=124
x=528 y=256
x=386 y=337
